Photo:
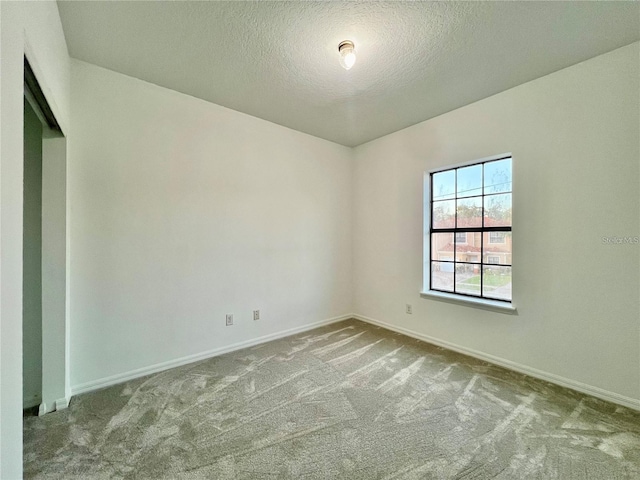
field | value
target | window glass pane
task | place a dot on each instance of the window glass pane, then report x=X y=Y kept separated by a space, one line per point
x=497 y=210
x=469 y=181
x=468 y=246
x=442 y=276
x=470 y=212
x=442 y=246
x=444 y=214
x=468 y=279
x=497 y=176
x=496 y=282
x=444 y=185
x=497 y=252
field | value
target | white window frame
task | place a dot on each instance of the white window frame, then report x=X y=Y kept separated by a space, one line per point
x=483 y=303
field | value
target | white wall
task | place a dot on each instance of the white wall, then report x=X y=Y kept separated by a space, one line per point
x=34 y=28
x=183 y=211
x=575 y=137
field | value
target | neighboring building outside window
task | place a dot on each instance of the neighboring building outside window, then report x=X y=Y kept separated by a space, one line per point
x=496 y=237
x=468 y=240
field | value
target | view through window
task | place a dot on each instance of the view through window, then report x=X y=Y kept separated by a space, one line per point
x=469 y=238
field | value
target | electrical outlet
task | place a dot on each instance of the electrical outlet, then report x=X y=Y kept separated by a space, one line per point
x=256 y=314
x=229 y=319
x=409 y=309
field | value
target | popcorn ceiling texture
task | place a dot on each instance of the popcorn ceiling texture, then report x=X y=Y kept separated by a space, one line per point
x=350 y=401
x=279 y=60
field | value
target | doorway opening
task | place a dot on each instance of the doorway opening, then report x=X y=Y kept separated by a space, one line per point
x=45 y=317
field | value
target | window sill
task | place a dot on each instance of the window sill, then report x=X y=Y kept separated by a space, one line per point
x=494 y=305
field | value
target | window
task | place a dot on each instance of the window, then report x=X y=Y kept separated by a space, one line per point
x=461 y=237
x=468 y=239
x=496 y=237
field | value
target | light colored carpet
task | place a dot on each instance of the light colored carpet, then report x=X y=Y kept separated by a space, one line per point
x=350 y=401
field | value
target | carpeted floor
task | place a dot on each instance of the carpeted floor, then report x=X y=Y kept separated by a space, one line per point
x=350 y=401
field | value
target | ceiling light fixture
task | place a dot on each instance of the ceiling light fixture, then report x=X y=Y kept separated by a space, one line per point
x=347 y=52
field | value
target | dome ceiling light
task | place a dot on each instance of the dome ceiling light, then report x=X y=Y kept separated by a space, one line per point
x=347 y=52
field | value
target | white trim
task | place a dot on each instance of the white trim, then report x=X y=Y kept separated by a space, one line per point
x=158 y=367
x=46 y=408
x=426 y=241
x=597 y=392
x=495 y=305
x=62 y=403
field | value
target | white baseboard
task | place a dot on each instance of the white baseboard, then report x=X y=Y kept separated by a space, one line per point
x=46 y=408
x=62 y=403
x=597 y=392
x=532 y=372
x=178 y=362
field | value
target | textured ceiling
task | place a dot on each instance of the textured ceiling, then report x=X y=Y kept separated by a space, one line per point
x=279 y=60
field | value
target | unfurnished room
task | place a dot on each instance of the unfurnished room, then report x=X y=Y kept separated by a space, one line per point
x=319 y=239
